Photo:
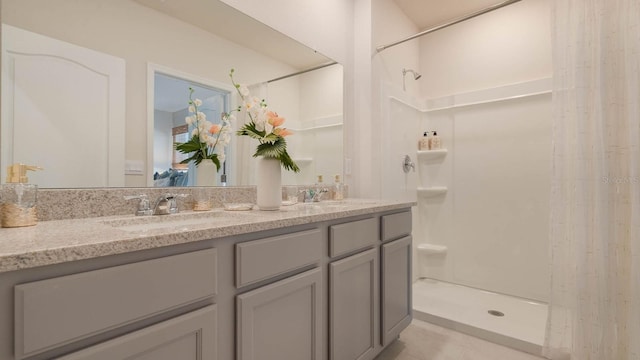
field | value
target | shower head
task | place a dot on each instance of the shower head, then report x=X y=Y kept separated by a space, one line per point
x=416 y=76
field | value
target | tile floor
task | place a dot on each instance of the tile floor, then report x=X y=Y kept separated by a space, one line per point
x=425 y=341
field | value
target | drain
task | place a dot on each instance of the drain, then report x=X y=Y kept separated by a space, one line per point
x=496 y=313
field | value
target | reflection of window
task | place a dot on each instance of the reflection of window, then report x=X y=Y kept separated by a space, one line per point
x=180 y=135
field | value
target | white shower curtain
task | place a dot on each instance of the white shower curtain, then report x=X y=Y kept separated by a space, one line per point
x=594 y=312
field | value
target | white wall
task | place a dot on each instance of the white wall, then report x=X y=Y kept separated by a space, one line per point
x=140 y=35
x=309 y=101
x=324 y=26
x=494 y=217
x=507 y=46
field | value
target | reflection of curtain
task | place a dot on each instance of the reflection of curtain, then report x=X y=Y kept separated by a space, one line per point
x=246 y=147
x=595 y=215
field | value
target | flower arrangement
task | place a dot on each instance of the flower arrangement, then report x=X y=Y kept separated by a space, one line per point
x=208 y=140
x=264 y=126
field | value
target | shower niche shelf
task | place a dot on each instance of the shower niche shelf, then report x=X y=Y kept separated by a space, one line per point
x=430 y=155
x=431 y=192
x=303 y=161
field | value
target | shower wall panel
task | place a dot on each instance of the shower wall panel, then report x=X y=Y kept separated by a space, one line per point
x=494 y=217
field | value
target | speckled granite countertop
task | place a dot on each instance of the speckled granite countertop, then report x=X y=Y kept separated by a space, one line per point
x=58 y=241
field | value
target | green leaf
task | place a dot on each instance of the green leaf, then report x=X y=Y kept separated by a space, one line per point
x=273 y=150
x=190 y=146
x=287 y=162
x=249 y=129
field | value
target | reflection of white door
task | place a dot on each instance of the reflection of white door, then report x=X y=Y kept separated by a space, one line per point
x=63 y=108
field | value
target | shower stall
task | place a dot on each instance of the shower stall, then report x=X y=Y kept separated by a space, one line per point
x=481 y=222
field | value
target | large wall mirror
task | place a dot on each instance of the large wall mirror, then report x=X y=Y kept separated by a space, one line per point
x=96 y=91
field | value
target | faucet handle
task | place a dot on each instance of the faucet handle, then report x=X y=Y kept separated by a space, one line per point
x=144 y=208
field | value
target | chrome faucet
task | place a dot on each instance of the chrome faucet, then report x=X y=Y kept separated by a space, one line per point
x=144 y=208
x=314 y=195
x=167 y=204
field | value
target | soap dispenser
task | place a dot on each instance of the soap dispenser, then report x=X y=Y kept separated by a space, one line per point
x=423 y=143
x=436 y=143
x=18 y=197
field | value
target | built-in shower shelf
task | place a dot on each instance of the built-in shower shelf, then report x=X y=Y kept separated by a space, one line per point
x=427 y=155
x=431 y=192
x=432 y=249
x=303 y=161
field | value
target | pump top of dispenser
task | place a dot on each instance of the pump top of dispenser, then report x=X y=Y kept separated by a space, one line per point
x=17 y=173
x=435 y=133
x=425 y=133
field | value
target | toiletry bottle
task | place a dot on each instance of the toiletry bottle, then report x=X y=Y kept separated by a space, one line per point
x=423 y=143
x=436 y=143
x=338 y=191
x=18 y=204
x=318 y=185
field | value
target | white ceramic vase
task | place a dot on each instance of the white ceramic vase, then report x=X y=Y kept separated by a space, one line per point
x=269 y=184
x=206 y=173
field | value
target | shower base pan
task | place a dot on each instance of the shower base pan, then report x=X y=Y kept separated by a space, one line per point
x=506 y=320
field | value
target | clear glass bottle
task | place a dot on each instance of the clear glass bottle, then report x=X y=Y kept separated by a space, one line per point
x=338 y=191
x=19 y=199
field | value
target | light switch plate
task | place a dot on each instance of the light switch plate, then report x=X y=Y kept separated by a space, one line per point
x=134 y=167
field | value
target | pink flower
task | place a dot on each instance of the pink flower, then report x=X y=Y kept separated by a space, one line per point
x=274 y=119
x=214 y=129
x=282 y=132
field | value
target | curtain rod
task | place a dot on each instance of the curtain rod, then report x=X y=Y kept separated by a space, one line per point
x=303 y=71
x=445 y=25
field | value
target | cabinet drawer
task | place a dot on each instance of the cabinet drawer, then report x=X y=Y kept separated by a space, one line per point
x=352 y=236
x=58 y=311
x=265 y=258
x=190 y=336
x=396 y=225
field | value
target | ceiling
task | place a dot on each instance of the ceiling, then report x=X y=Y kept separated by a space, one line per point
x=429 y=13
x=224 y=21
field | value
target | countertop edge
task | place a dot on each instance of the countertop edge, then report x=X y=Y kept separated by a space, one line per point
x=120 y=242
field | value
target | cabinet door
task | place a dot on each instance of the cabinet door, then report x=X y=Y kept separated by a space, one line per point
x=188 y=337
x=282 y=320
x=396 y=288
x=352 y=306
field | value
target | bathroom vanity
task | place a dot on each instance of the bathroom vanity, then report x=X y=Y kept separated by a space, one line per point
x=320 y=281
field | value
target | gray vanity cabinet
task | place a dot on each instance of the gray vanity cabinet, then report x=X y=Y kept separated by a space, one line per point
x=396 y=288
x=353 y=303
x=188 y=337
x=338 y=289
x=282 y=320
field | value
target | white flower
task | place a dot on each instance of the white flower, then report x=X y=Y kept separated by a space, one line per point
x=268 y=128
x=244 y=90
x=201 y=116
x=189 y=120
x=192 y=108
x=195 y=132
x=226 y=138
x=197 y=102
x=259 y=125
